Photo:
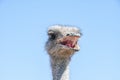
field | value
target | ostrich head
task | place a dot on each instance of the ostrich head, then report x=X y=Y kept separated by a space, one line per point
x=63 y=41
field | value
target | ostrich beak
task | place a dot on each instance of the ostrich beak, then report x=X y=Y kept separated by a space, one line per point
x=70 y=40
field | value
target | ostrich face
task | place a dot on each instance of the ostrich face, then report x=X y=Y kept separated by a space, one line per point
x=63 y=40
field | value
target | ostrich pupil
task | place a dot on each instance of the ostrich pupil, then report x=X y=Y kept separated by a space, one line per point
x=53 y=36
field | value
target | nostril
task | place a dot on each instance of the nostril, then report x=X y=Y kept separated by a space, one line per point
x=70 y=34
x=73 y=34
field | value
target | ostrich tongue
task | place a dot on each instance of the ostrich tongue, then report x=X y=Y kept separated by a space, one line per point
x=69 y=41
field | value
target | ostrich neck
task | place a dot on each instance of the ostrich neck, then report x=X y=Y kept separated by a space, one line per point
x=60 y=68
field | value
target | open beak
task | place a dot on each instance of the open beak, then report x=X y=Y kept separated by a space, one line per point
x=70 y=41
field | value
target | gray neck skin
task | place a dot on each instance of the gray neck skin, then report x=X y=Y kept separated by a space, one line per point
x=60 y=68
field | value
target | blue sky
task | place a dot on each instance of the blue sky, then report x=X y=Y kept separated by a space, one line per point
x=23 y=26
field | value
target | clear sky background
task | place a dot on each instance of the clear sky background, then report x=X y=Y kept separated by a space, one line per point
x=23 y=26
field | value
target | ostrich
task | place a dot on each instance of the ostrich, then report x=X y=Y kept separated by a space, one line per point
x=61 y=45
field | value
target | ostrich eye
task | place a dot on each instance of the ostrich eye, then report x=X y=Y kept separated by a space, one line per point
x=52 y=35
